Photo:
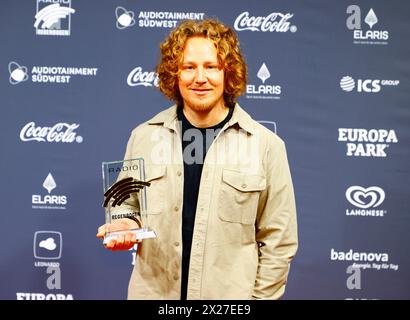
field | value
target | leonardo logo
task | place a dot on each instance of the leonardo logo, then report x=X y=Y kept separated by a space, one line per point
x=60 y=132
x=53 y=19
x=263 y=91
x=360 y=36
x=367 y=143
x=274 y=22
x=367 y=200
x=137 y=77
x=348 y=84
x=49 y=201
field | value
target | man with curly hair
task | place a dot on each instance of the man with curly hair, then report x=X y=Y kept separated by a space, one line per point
x=221 y=197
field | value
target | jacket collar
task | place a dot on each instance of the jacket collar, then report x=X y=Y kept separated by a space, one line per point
x=169 y=118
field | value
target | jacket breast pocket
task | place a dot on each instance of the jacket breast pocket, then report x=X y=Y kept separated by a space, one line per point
x=156 y=176
x=239 y=196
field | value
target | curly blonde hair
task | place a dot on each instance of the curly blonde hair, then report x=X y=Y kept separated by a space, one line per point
x=228 y=52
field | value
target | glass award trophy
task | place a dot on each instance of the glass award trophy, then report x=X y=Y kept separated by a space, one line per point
x=125 y=197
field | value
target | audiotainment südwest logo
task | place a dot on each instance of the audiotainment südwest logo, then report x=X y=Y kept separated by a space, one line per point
x=263 y=91
x=367 y=143
x=153 y=19
x=366 y=201
x=47 y=74
x=362 y=34
x=53 y=17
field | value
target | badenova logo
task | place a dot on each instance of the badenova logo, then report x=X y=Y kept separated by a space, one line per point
x=53 y=17
x=263 y=91
x=367 y=143
x=360 y=35
x=273 y=22
x=364 y=260
x=138 y=77
x=366 y=201
x=60 y=132
x=348 y=84
x=49 y=201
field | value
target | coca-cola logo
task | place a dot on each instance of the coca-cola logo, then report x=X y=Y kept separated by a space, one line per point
x=139 y=78
x=60 y=132
x=274 y=22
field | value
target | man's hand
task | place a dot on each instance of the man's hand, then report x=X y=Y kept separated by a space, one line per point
x=124 y=241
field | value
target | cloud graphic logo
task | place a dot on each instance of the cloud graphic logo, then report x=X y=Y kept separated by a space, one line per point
x=17 y=73
x=48 y=244
x=365 y=198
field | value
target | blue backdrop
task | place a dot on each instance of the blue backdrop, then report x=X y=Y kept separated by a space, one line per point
x=331 y=77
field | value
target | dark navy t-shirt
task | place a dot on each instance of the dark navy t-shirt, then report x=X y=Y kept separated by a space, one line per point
x=195 y=144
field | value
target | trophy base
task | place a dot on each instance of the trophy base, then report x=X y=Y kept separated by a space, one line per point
x=139 y=233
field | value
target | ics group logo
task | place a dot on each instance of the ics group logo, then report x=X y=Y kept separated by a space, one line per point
x=348 y=84
x=263 y=91
x=59 y=133
x=273 y=22
x=53 y=17
x=367 y=143
x=367 y=32
x=365 y=201
x=49 y=201
x=153 y=19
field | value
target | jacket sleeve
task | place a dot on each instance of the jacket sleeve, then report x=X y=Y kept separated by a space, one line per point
x=276 y=225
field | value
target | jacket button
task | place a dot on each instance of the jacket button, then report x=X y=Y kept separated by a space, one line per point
x=176 y=243
x=244 y=185
x=176 y=277
x=179 y=173
x=176 y=208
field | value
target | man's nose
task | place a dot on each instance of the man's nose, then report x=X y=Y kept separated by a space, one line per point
x=200 y=76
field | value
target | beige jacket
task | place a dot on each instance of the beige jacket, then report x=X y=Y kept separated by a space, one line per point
x=245 y=232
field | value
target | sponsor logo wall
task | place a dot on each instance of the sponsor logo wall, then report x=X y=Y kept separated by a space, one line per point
x=331 y=82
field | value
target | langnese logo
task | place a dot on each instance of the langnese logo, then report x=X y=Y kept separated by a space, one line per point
x=367 y=143
x=59 y=133
x=364 y=260
x=153 y=19
x=138 y=77
x=348 y=84
x=273 y=22
x=366 y=201
x=53 y=17
x=263 y=91
x=365 y=33
x=47 y=74
x=49 y=201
